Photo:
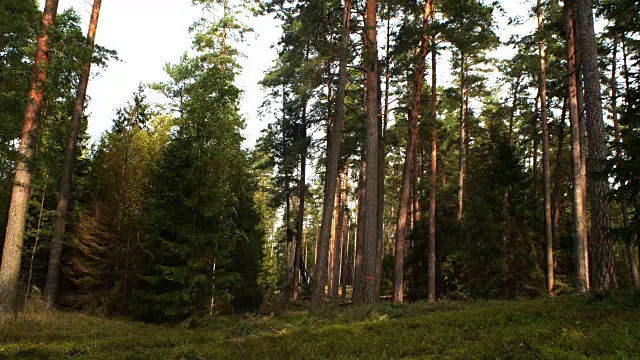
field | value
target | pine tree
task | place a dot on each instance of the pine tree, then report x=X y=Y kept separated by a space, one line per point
x=579 y=182
x=12 y=253
x=604 y=273
x=370 y=259
x=407 y=174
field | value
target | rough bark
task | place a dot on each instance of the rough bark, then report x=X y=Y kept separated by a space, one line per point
x=370 y=291
x=334 y=140
x=405 y=191
x=548 y=231
x=12 y=252
x=55 y=256
x=604 y=273
x=431 y=259
x=579 y=211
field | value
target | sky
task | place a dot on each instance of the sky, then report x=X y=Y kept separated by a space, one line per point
x=147 y=34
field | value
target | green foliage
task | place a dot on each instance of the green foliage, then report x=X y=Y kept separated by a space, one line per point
x=203 y=236
x=18 y=30
x=107 y=226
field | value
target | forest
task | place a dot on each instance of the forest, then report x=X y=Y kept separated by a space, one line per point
x=407 y=169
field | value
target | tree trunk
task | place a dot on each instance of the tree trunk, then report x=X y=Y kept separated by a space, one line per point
x=12 y=252
x=337 y=246
x=463 y=139
x=382 y=153
x=583 y=157
x=380 y=201
x=334 y=140
x=534 y=158
x=290 y=249
x=405 y=192
x=55 y=256
x=370 y=257
x=416 y=173
x=601 y=244
x=359 y=238
x=579 y=211
x=315 y=247
x=431 y=260
x=344 y=273
x=334 y=252
x=548 y=231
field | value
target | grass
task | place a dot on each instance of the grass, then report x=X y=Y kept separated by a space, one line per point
x=605 y=327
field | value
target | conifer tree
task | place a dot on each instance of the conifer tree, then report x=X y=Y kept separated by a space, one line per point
x=12 y=252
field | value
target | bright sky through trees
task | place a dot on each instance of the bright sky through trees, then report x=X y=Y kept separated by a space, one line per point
x=164 y=28
x=147 y=34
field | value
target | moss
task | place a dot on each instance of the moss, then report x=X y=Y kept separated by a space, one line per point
x=562 y=328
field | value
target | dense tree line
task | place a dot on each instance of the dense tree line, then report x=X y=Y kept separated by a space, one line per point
x=380 y=176
x=455 y=188
x=163 y=219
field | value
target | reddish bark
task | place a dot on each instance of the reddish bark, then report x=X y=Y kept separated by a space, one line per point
x=12 y=252
x=370 y=259
x=581 y=258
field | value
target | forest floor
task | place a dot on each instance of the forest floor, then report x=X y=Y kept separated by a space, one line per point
x=567 y=327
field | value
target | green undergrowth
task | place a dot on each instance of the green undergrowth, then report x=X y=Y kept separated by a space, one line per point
x=569 y=327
